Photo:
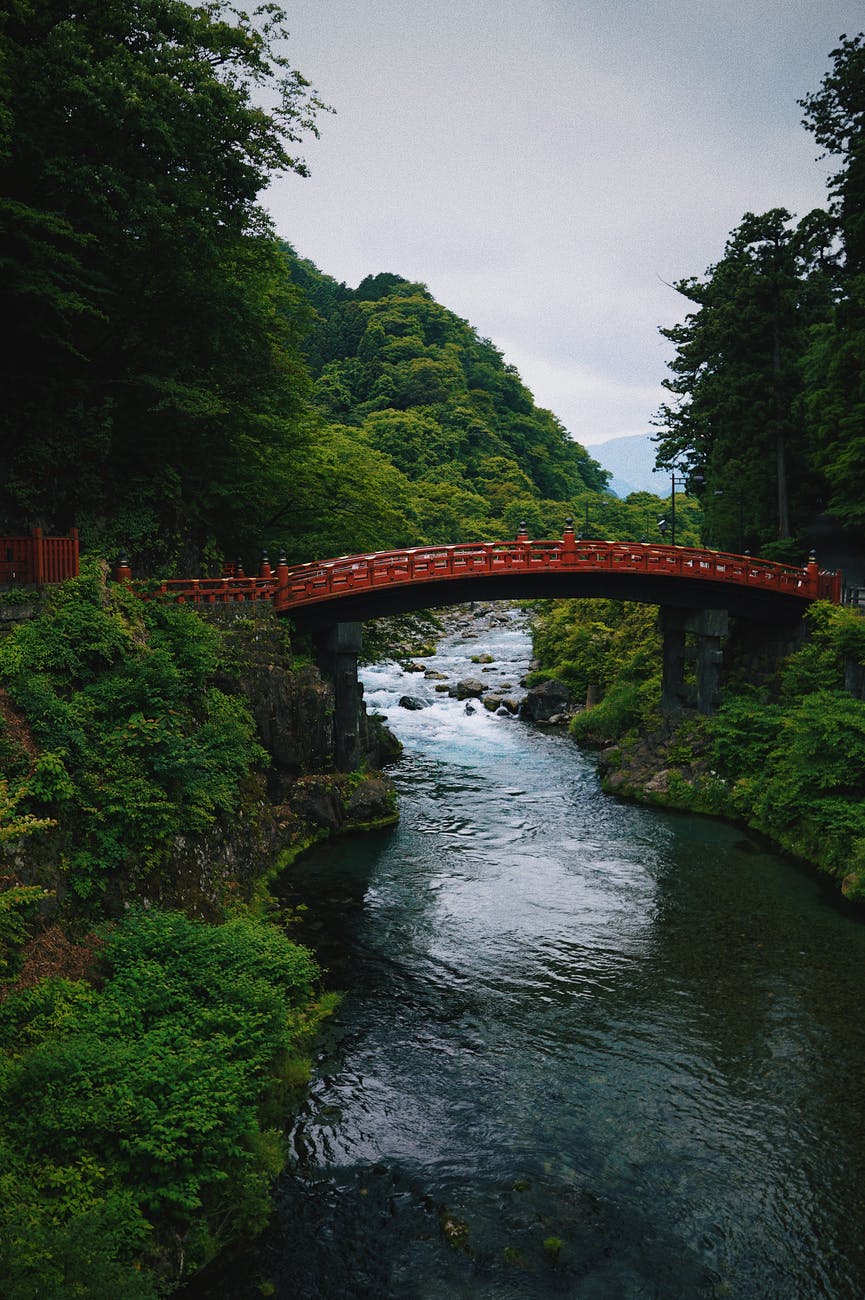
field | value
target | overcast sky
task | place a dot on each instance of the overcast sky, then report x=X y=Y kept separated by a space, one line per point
x=544 y=166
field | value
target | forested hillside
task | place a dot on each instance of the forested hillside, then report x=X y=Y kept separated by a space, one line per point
x=180 y=384
x=453 y=444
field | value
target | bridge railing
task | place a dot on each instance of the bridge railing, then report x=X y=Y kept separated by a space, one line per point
x=297 y=585
x=214 y=591
x=304 y=584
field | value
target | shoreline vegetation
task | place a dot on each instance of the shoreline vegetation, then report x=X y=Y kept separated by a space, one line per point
x=156 y=1018
x=783 y=754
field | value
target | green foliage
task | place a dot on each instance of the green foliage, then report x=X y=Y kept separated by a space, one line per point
x=626 y=706
x=137 y=135
x=347 y=498
x=16 y=901
x=613 y=646
x=744 y=734
x=137 y=746
x=131 y=1114
x=800 y=775
x=834 y=365
x=834 y=635
x=14 y=824
x=737 y=380
x=397 y=373
x=797 y=764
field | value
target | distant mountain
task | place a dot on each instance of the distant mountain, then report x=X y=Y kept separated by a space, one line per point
x=630 y=461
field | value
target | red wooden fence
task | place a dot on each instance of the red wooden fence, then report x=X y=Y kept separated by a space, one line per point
x=35 y=560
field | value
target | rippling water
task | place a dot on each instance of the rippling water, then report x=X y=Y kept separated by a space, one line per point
x=586 y=1049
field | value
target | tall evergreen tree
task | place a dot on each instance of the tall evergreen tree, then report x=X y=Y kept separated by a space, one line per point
x=835 y=363
x=735 y=425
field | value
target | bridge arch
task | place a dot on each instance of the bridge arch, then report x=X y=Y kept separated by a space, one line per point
x=355 y=588
x=695 y=589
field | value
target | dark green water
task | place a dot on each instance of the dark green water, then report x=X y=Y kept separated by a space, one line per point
x=566 y=1017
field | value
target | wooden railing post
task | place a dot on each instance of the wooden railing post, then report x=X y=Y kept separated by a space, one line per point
x=812 y=575
x=37 y=558
x=122 y=571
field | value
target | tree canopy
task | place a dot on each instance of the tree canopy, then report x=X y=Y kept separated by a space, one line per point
x=152 y=373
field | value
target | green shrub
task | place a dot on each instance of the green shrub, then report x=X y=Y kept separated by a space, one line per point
x=131 y=1114
x=138 y=745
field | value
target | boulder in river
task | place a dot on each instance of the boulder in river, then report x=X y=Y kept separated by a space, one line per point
x=413 y=702
x=470 y=689
x=546 y=701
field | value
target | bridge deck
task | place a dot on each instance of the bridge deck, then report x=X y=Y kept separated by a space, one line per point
x=364 y=586
x=356 y=587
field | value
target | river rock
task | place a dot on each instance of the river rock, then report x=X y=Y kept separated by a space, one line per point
x=659 y=784
x=492 y=702
x=433 y=675
x=546 y=701
x=413 y=702
x=511 y=703
x=483 y=659
x=470 y=689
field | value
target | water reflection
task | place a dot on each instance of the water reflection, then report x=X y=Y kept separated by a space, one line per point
x=629 y=1035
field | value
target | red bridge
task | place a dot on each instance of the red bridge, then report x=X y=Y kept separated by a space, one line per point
x=357 y=587
x=695 y=589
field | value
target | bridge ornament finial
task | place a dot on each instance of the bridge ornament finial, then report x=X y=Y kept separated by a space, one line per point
x=122 y=568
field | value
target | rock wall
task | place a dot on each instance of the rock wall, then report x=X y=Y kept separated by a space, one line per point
x=293 y=707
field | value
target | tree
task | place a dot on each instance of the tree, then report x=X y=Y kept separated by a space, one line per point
x=154 y=354
x=835 y=362
x=736 y=422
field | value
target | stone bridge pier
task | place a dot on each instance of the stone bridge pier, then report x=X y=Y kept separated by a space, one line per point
x=336 y=650
x=705 y=630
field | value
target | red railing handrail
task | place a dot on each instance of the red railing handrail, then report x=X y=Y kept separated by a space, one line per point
x=297 y=586
x=300 y=585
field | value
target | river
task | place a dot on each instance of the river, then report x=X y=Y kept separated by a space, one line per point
x=586 y=1049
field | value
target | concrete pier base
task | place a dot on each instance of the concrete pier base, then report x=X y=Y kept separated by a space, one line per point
x=691 y=635
x=337 y=651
